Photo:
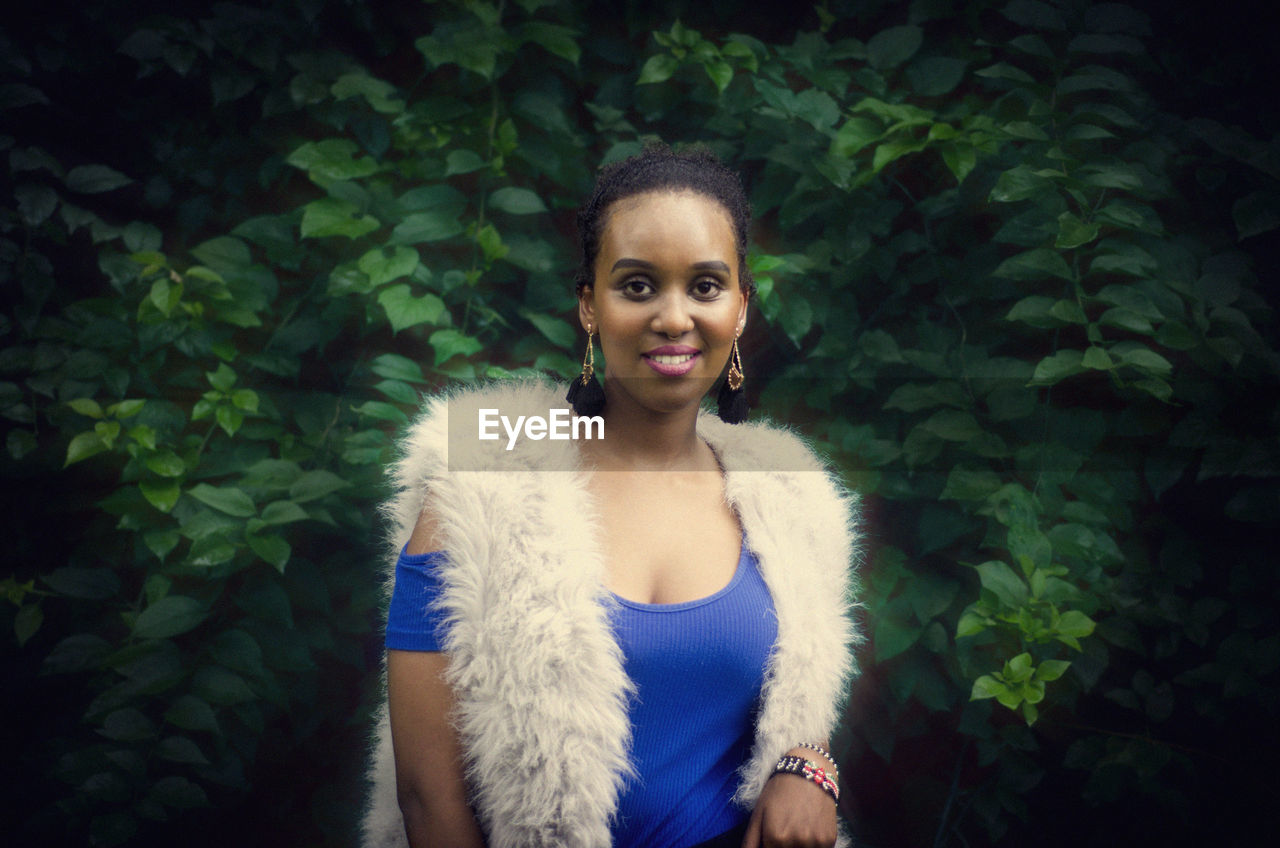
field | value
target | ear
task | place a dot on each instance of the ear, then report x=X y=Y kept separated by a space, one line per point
x=742 y=310
x=587 y=307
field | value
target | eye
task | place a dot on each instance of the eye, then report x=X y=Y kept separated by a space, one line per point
x=635 y=287
x=707 y=288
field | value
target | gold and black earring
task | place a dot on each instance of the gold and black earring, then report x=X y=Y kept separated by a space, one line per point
x=585 y=394
x=731 y=402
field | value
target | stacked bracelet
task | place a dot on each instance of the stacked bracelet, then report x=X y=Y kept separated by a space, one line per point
x=835 y=768
x=807 y=769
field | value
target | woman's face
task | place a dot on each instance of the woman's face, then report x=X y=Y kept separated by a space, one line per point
x=666 y=300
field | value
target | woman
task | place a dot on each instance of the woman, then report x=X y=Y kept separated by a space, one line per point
x=634 y=640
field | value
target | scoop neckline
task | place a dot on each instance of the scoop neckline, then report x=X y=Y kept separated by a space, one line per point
x=738 y=574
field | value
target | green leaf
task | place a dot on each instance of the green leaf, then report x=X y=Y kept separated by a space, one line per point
x=1126 y=320
x=1003 y=70
x=1034 y=14
x=1075 y=624
x=220 y=686
x=517 y=201
x=170 y=616
x=27 y=621
x=404 y=310
x=332 y=159
x=1072 y=232
x=1001 y=580
x=83 y=446
x=1144 y=359
x=1050 y=670
x=396 y=367
x=1018 y=669
x=272 y=549
x=88 y=583
x=329 y=216
x=1068 y=312
x=382 y=411
x=720 y=72
x=228 y=499
x=126 y=408
x=224 y=254
x=162 y=494
x=1035 y=264
x=986 y=686
x=35 y=203
x=969 y=485
x=179 y=793
x=449 y=343
x=556 y=330
x=894 y=632
x=399 y=392
x=433 y=225
x=1035 y=310
x=1117 y=175
x=462 y=162
x=1059 y=366
x=315 y=484
x=658 y=68
x=893 y=46
x=95 y=179
x=1098 y=359
x=935 y=75
x=378 y=93
x=1020 y=183
x=86 y=406
x=1256 y=213
x=223 y=378
x=161 y=542
x=856 y=133
x=127 y=725
x=180 y=749
x=1025 y=130
x=555 y=39
x=953 y=425
x=382 y=265
x=283 y=512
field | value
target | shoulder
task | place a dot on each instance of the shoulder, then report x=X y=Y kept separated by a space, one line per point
x=759 y=446
x=772 y=468
x=461 y=429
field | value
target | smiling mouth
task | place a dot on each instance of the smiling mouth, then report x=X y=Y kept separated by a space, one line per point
x=672 y=364
x=673 y=359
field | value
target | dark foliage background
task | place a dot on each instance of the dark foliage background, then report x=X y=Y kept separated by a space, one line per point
x=1017 y=265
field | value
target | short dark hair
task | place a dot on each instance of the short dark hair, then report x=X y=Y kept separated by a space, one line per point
x=659 y=168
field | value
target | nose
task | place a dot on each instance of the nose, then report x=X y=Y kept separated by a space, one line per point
x=672 y=318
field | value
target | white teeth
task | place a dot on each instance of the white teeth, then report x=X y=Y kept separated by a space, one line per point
x=666 y=359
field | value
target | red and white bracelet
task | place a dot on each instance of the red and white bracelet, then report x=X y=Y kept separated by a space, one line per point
x=809 y=770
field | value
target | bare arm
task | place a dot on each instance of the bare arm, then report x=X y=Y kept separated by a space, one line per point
x=429 y=771
x=791 y=811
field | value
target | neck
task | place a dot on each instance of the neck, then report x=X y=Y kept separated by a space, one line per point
x=640 y=439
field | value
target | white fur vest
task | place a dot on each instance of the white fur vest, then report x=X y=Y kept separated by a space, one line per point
x=539 y=682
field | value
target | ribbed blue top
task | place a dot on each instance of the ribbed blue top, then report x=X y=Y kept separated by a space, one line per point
x=698 y=668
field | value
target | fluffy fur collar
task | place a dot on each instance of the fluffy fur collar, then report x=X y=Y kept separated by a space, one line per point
x=541 y=692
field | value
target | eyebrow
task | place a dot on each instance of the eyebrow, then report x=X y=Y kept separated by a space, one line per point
x=709 y=265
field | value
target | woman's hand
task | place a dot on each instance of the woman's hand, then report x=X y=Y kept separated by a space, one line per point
x=792 y=813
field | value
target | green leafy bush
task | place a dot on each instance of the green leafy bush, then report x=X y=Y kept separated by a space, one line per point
x=1009 y=292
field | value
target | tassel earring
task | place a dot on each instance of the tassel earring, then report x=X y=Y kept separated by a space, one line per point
x=585 y=394
x=731 y=402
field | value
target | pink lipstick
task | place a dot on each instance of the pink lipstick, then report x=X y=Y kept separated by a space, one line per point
x=672 y=360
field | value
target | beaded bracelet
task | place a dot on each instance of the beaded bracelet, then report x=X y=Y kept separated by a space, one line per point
x=835 y=767
x=807 y=769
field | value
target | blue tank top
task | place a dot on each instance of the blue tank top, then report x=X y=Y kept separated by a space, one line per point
x=698 y=668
